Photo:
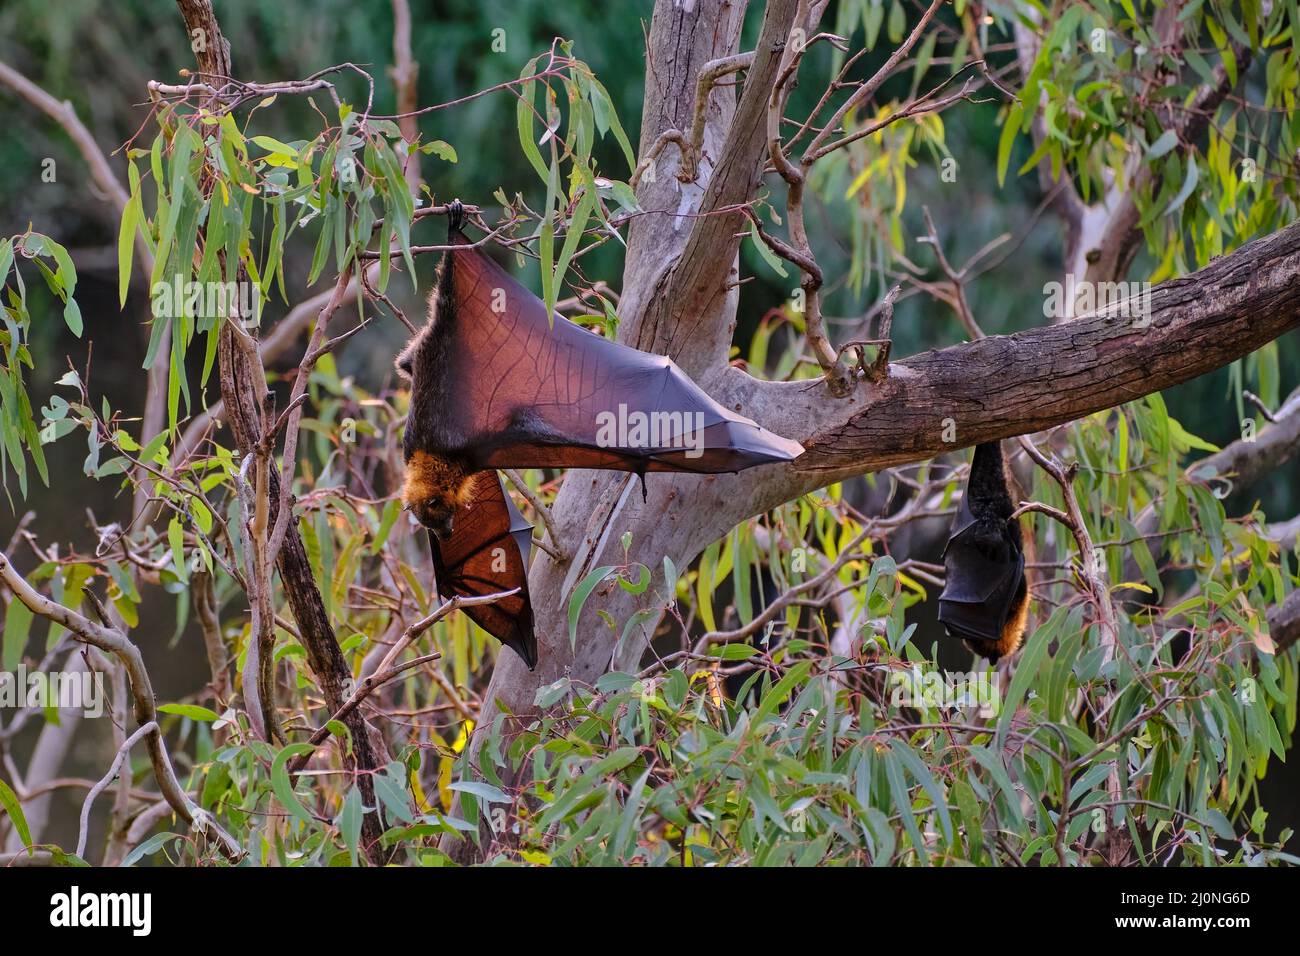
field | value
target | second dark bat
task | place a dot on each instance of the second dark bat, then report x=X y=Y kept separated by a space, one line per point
x=985 y=599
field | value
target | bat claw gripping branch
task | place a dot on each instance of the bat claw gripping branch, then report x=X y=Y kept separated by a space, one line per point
x=455 y=214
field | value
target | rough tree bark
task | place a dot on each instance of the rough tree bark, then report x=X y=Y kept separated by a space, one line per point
x=679 y=298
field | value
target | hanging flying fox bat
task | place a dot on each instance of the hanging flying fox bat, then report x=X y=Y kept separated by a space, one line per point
x=985 y=599
x=497 y=382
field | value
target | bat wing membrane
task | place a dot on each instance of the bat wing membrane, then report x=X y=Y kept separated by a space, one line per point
x=487 y=553
x=504 y=384
x=537 y=391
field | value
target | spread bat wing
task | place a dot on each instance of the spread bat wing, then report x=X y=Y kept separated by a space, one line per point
x=488 y=553
x=985 y=595
x=501 y=383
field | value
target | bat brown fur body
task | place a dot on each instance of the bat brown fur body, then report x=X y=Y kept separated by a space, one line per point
x=1013 y=631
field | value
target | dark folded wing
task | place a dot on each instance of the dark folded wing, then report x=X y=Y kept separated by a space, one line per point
x=978 y=592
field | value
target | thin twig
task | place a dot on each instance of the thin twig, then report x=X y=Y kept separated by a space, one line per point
x=709 y=74
x=102 y=785
x=113 y=641
x=388 y=669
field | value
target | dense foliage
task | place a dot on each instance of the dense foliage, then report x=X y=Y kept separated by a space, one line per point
x=790 y=710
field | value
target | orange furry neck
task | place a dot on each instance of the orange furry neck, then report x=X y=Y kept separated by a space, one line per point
x=1013 y=631
x=431 y=478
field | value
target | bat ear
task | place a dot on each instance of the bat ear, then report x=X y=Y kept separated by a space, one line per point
x=404 y=365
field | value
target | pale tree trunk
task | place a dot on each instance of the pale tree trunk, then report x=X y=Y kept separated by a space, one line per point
x=679 y=299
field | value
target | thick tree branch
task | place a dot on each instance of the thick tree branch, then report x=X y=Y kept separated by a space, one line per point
x=1003 y=386
x=689 y=317
x=682 y=41
x=1249 y=460
x=1284 y=622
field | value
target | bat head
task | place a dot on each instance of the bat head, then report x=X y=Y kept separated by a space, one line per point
x=435 y=516
x=405 y=361
x=405 y=365
x=434 y=489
